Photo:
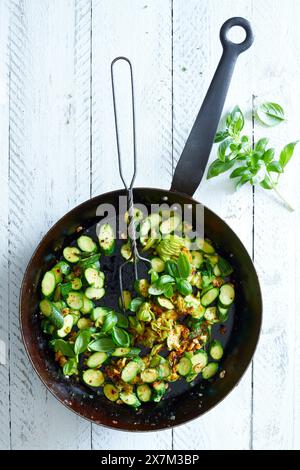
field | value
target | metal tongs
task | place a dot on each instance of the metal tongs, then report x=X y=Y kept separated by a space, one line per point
x=135 y=255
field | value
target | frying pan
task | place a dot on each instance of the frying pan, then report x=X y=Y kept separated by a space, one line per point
x=244 y=329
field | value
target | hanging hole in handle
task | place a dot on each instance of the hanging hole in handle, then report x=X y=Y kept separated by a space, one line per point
x=236 y=34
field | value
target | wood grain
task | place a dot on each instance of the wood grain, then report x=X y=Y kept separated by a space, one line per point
x=197 y=51
x=141 y=31
x=43 y=182
x=4 y=144
x=276 y=394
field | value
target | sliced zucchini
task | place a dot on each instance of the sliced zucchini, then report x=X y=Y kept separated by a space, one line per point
x=76 y=316
x=121 y=352
x=87 y=306
x=127 y=299
x=149 y=375
x=130 y=399
x=137 y=215
x=93 y=377
x=211 y=315
x=86 y=244
x=96 y=360
x=67 y=326
x=191 y=377
x=141 y=286
x=217 y=271
x=126 y=251
x=94 y=278
x=197 y=259
x=144 y=393
x=48 y=283
x=84 y=323
x=60 y=269
x=76 y=283
x=165 y=303
x=111 y=392
x=107 y=240
x=159 y=389
x=158 y=265
x=93 y=293
x=170 y=225
x=199 y=361
x=164 y=370
x=216 y=350
x=99 y=313
x=52 y=313
x=210 y=296
x=72 y=254
x=75 y=300
x=205 y=246
x=223 y=313
x=184 y=367
x=150 y=223
x=210 y=370
x=130 y=371
x=227 y=295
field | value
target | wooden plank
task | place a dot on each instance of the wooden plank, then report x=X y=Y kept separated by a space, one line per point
x=48 y=119
x=142 y=31
x=276 y=365
x=4 y=324
x=196 y=53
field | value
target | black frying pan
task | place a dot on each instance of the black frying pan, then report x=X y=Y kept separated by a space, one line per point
x=243 y=331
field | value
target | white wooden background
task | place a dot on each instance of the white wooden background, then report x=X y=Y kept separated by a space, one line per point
x=57 y=148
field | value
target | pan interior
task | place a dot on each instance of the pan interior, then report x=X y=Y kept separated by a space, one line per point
x=184 y=402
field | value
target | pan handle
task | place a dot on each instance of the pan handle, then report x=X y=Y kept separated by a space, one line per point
x=192 y=163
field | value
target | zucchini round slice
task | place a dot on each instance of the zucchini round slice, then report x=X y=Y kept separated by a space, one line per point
x=209 y=297
x=96 y=360
x=86 y=244
x=87 y=306
x=227 y=295
x=210 y=370
x=184 y=367
x=93 y=377
x=199 y=361
x=216 y=350
x=99 y=313
x=149 y=375
x=130 y=371
x=144 y=393
x=121 y=352
x=48 y=283
x=67 y=326
x=107 y=239
x=53 y=314
x=94 y=278
x=204 y=245
x=197 y=259
x=165 y=303
x=84 y=323
x=211 y=315
x=164 y=370
x=130 y=399
x=170 y=225
x=126 y=251
x=158 y=265
x=111 y=392
x=75 y=300
x=72 y=254
x=76 y=283
x=223 y=313
x=94 y=293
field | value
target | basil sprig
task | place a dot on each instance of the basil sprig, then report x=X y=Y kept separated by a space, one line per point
x=254 y=163
x=175 y=279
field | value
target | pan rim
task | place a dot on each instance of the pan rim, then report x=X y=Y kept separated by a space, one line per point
x=115 y=426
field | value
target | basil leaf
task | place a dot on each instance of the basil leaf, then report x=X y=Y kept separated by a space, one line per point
x=65 y=289
x=239 y=171
x=275 y=167
x=87 y=262
x=171 y=268
x=223 y=150
x=243 y=180
x=184 y=287
x=235 y=121
x=102 y=345
x=217 y=167
x=62 y=346
x=122 y=320
x=267 y=183
x=184 y=266
x=268 y=155
x=136 y=303
x=70 y=367
x=287 y=153
x=120 y=337
x=168 y=291
x=225 y=267
x=154 y=276
x=220 y=136
x=270 y=114
x=261 y=144
x=165 y=279
x=82 y=341
x=110 y=320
